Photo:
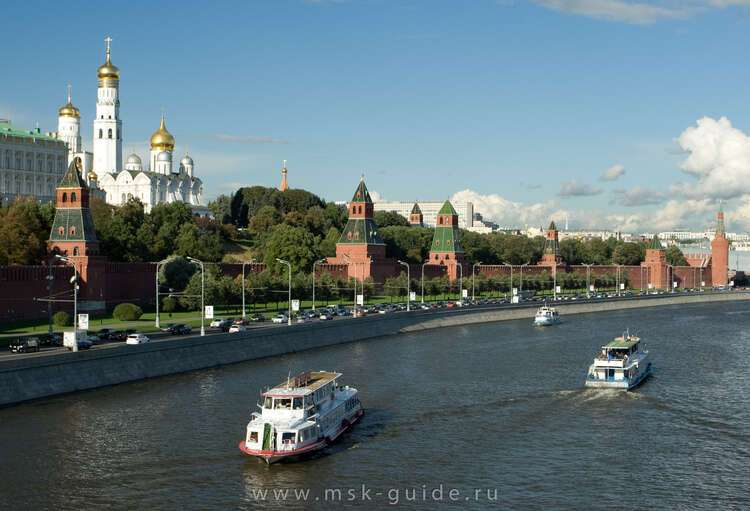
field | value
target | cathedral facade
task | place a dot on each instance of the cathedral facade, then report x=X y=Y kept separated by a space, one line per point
x=159 y=181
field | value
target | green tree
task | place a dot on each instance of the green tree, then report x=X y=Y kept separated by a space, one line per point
x=191 y=242
x=293 y=244
x=222 y=208
x=675 y=257
x=327 y=247
x=572 y=251
x=176 y=272
x=389 y=218
x=264 y=220
x=24 y=230
x=628 y=254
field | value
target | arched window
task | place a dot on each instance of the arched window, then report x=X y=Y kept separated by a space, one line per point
x=65 y=197
x=61 y=231
x=73 y=197
x=100 y=133
x=349 y=235
x=75 y=251
x=72 y=230
x=109 y=133
x=447 y=256
x=360 y=209
x=436 y=257
x=356 y=235
x=123 y=198
x=440 y=220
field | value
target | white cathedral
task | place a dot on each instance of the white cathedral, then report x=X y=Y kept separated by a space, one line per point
x=158 y=183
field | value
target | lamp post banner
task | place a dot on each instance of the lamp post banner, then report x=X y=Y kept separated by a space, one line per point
x=295 y=305
x=413 y=296
x=360 y=299
x=209 y=312
x=83 y=321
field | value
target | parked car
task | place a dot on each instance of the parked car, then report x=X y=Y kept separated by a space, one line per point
x=168 y=327
x=108 y=334
x=257 y=317
x=93 y=338
x=313 y=314
x=25 y=345
x=237 y=328
x=327 y=315
x=180 y=330
x=83 y=344
x=136 y=338
x=303 y=318
x=280 y=318
x=343 y=311
x=118 y=336
x=216 y=323
x=241 y=321
x=50 y=340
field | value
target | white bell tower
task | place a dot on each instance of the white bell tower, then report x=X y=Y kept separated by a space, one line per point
x=107 y=124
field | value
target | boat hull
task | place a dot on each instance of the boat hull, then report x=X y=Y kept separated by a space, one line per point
x=545 y=322
x=619 y=384
x=275 y=456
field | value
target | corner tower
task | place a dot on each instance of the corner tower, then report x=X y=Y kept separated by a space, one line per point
x=656 y=262
x=720 y=253
x=415 y=217
x=107 y=124
x=446 y=248
x=551 y=256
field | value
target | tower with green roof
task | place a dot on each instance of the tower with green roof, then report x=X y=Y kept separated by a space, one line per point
x=446 y=248
x=656 y=263
x=551 y=255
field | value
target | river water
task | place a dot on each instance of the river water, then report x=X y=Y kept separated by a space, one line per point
x=488 y=416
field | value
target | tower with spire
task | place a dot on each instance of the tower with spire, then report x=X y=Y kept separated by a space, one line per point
x=720 y=252
x=656 y=264
x=107 y=124
x=551 y=255
x=69 y=127
x=284 y=184
x=446 y=248
x=415 y=217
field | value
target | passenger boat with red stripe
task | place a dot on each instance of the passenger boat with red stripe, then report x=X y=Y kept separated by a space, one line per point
x=301 y=416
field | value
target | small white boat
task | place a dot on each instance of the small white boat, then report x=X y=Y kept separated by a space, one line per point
x=546 y=315
x=622 y=364
x=301 y=416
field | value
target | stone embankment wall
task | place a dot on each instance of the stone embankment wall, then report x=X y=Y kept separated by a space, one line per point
x=40 y=375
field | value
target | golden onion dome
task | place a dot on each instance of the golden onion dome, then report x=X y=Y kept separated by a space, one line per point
x=108 y=71
x=92 y=176
x=70 y=111
x=162 y=139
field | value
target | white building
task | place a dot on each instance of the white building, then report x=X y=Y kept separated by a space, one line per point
x=31 y=163
x=430 y=210
x=159 y=182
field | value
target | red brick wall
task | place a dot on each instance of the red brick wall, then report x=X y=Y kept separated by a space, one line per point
x=20 y=285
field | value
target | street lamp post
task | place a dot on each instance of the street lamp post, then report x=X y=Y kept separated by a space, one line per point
x=203 y=294
x=159 y=264
x=671 y=277
x=588 y=279
x=354 y=303
x=50 y=280
x=289 y=298
x=75 y=299
x=319 y=261
x=619 y=279
x=461 y=282
x=408 y=285
x=251 y=261
x=511 y=280
x=423 y=265
x=520 y=286
x=473 y=272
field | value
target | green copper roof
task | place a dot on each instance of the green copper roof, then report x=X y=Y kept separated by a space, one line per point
x=361 y=194
x=14 y=131
x=447 y=209
x=416 y=210
x=72 y=177
x=73 y=224
x=361 y=231
x=447 y=239
x=552 y=226
x=655 y=243
x=622 y=343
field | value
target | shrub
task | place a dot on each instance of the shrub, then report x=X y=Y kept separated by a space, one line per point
x=127 y=312
x=62 y=318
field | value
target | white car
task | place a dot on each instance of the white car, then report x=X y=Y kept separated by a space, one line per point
x=216 y=323
x=237 y=328
x=303 y=318
x=136 y=339
x=279 y=318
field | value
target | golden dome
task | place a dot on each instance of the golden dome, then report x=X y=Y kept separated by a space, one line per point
x=93 y=176
x=108 y=71
x=162 y=139
x=70 y=111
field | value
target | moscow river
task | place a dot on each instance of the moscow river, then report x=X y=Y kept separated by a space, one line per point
x=487 y=416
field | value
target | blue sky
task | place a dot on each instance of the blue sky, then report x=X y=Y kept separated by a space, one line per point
x=518 y=106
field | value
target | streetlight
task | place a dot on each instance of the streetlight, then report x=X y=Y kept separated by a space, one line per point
x=521 y=283
x=423 y=265
x=289 y=316
x=671 y=277
x=460 y=282
x=50 y=279
x=588 y=279
x=349 y=261
x=251 y=261
x=203 y=294
x=74 y=281
x=619 y=279
x=319 y=261
x=408 y=285
x=160 y=263
x=473 y=271
x=511 y=280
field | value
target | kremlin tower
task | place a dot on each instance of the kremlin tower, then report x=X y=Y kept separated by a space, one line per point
x=720 y=253
x=446 y=248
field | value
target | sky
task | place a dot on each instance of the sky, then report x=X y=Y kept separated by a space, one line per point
x=618 y=115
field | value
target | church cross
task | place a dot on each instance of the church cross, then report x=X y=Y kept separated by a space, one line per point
x=108 y=40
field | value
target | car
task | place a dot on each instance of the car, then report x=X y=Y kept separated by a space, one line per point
x=83 y=344
x=241 y=321
x=108 y=334
x=313 y=314
x=180 y=330
x=280 y=318
x=136 y=338
x=303 y=318
x=25 y=345
x=327 y=315
x=118 y=336
x=216 y=323
x=257 y=317
x=168 y=327
x=94 y=338
x=50 y=340
x=237 y=328
x=342 y=312
x=359 y=313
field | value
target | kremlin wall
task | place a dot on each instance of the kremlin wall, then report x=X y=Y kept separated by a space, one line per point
x=360 y=253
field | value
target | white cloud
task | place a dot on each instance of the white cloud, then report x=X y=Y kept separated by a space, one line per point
x=375 y=196
x=639 y=196
x=719 y=158
x=612 y=173
x=574 y=188
x=618 y=10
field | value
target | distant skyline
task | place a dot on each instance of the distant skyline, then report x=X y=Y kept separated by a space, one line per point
x=620 y=115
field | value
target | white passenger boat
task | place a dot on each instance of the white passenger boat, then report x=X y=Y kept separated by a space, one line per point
x=622 y=364
x=546 y=315
x=300 y=416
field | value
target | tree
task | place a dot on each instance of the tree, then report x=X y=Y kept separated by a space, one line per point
x=175 y=273
x=264 y=220
x=571 y=251
x=193 y=243
x=675 y=257
x=388 y=218
x=327 y=247
x=477 y=247
x=293 y=244
x=222 y=208
x=407 y=243
x=628 y=254
x=24 y=230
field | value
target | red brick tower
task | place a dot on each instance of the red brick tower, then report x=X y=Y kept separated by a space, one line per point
x=551 y=256
x=73 y=236
x=415 y=217
x=360 y=241
x=656 y=262
x=720 y=253
x=446 y=248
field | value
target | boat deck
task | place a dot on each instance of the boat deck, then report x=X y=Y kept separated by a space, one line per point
x=308 y=381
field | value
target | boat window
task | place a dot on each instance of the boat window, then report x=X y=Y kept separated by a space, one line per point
x=287 y=438
x=254 y=436
x=268 y=403
x=282 y=403
x=297 y=403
